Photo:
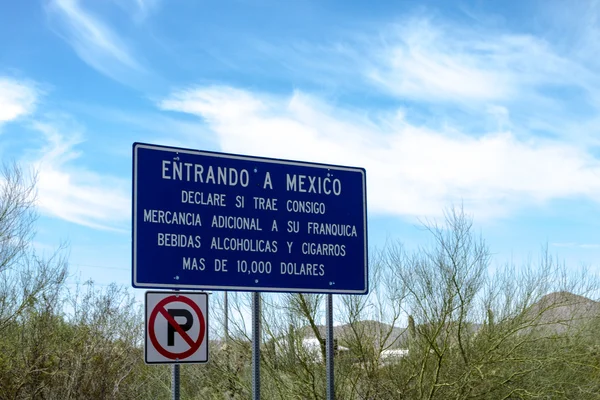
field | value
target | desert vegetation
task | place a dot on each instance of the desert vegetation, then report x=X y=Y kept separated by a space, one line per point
x=438 y=323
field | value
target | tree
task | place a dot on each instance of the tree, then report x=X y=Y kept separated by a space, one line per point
x=482 y=335
x=25 y=278
x=29 y=284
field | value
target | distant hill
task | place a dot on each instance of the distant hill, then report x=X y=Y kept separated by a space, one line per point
x=554 y=312
x=559 y=311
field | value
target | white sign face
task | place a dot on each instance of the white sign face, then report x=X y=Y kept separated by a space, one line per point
x=176 y=327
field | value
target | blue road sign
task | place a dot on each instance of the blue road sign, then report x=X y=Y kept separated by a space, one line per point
x=204 y=220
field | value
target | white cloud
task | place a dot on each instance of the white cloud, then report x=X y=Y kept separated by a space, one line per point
x=72 y=193
x=420 y=69
x=93 y=40
x=434 y=61
x=17 y=98
x=65 y=191
x=466 y=75
x=411 y=170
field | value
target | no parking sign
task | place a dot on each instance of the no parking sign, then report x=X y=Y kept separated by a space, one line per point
x=176 y=327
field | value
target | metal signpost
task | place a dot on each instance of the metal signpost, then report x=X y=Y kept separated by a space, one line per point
x=168 y=341
x=329 y=349
x=215 y=221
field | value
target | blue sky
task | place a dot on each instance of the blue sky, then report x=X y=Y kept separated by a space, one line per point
x=495 y=105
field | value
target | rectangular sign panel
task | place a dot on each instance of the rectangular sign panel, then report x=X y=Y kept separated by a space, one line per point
x=176 y=328
x=204 y=220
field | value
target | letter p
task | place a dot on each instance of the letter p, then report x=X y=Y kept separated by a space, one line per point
x=189 y=322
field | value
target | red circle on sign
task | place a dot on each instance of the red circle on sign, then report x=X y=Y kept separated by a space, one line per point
x=194 y=344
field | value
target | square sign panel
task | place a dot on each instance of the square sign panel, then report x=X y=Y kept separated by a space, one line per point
x=176 y=327
x=217 y=221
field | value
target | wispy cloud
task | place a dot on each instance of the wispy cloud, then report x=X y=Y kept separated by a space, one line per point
x=419 y=62
x=459 y=74
x=140 y=9
x=17 y=98
x=65 y=189
x=439 y=61
x=412 y=170
x=69 y=191
x=435 y=60
x=93 y=40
